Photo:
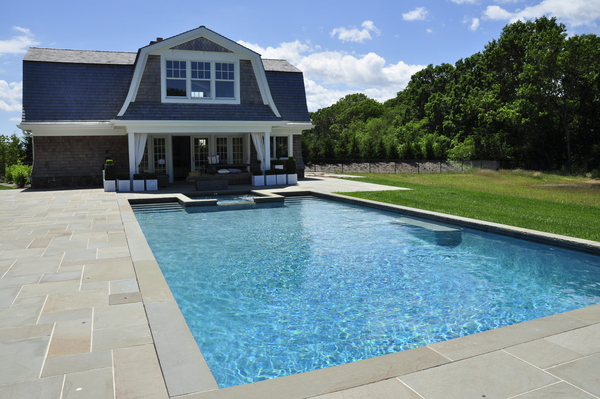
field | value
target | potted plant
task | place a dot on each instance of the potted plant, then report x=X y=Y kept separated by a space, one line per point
x=151 y=182
x=270 y=177
x=138 y=182
x=290 y=169
x=258 y=179
x=123 y=182
x=110 y=184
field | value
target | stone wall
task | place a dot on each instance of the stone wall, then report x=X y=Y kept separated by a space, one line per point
x=72 y=161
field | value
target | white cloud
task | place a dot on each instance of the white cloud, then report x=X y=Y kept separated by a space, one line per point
x=18 y=44
x=465 y=1
x=356 y=35
x=330 y=75
x=10 y=96
x=418 y=14
x=474 y=24
x=573 y=12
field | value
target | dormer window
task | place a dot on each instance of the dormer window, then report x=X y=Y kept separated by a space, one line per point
x=200 y=80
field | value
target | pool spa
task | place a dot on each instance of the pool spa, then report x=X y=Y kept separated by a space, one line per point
x=275 y=291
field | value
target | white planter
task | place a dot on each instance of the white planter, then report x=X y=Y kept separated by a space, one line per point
x=258 y=180
x=124 y=185
x=281 y=179
x=152 y=185
x=270 y=180
x=110 y=186
x=138 y=185
x=292 y=178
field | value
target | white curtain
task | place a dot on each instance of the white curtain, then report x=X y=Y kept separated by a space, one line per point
x=259 y=144
x=140 y=145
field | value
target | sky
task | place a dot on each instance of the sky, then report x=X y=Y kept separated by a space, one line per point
x=343 y=47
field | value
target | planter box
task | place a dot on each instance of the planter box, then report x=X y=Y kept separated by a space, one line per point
x=110 y=186
x=258 y=180
x=152 y=185
x=292 y=178
x=138 y=185
x=281 y=179
x=270 y=180
x=124 y=185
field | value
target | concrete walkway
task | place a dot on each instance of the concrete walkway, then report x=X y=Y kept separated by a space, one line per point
x=85 y=313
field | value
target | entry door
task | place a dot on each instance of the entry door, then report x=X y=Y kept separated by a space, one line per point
x=182 y=156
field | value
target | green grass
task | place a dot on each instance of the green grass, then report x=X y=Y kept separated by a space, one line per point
x=518 y=198
x=3 y=187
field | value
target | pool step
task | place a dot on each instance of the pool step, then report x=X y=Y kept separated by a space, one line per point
x=157 y=207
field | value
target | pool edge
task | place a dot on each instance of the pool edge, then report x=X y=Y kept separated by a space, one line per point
x=350 y=375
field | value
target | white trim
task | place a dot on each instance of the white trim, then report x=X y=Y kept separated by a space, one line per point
x=72 y=129
x=164 y=47
x=168 y=126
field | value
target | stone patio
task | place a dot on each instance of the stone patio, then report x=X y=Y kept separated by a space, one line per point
x=86 y=313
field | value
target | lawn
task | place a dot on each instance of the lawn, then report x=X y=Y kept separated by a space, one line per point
x=555 y=204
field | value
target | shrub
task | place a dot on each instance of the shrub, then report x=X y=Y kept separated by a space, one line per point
x=18 y=174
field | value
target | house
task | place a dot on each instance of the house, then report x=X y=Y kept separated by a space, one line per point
x=165 y=109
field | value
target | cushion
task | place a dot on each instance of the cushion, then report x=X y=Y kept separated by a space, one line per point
x=223 y=170
x=232 y=170
x=213 y=160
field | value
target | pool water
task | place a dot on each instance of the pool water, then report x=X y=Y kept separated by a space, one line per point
x=318 y=283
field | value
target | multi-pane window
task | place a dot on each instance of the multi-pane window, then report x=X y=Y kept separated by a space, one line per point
x=176 y=78
x=197 y=80
x=160 y=158
x=200 y=79
x=237 y=150
x=224 y=78
x=200 y=152
x=222 y=149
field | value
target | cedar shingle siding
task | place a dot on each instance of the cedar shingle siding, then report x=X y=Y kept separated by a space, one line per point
x=70 y=161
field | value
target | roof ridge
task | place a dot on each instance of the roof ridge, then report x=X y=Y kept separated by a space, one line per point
x=93 y=51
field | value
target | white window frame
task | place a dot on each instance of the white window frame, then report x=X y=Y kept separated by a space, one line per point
x=201 y=100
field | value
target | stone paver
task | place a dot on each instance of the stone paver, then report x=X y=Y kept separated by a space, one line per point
x=82 y=301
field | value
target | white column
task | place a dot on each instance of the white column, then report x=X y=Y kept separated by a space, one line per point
x=291 y=145
x=131 y=147
x=267 y=150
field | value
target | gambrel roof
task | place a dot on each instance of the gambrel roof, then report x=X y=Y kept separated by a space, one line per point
x=99 y=86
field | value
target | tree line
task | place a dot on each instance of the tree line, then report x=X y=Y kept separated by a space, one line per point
x=530 y=99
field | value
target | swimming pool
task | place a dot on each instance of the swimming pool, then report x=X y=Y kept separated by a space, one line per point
x=273 y=292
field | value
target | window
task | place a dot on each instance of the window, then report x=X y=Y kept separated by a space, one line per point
x=176 y=78
x=222 y=149
x=237 y=150
x=224 y=75
x=200 y=152
x=200 y=80
x=160 y=151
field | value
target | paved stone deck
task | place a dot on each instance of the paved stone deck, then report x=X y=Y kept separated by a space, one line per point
x=86 y=313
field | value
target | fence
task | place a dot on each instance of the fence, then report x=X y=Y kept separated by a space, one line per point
x=394 y=166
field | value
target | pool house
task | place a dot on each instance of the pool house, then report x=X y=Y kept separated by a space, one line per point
x=170 y=108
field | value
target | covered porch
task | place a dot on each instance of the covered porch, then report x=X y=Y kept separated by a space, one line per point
x=210 y=150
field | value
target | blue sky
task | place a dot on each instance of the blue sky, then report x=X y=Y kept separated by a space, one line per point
x=343 y=47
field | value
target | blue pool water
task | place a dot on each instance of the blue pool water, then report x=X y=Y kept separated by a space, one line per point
x=317 y=283
x=227 y=199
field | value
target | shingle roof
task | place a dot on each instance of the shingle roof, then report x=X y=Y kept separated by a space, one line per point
x=198 y=112
x=279 y=66
x=79 y=56
x=287 y=90
x=84 y=85
x=73 y=92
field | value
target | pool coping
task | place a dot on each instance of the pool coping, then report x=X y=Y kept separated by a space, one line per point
x=187 y=375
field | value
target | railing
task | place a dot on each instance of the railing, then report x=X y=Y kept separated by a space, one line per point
x=394 y=166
